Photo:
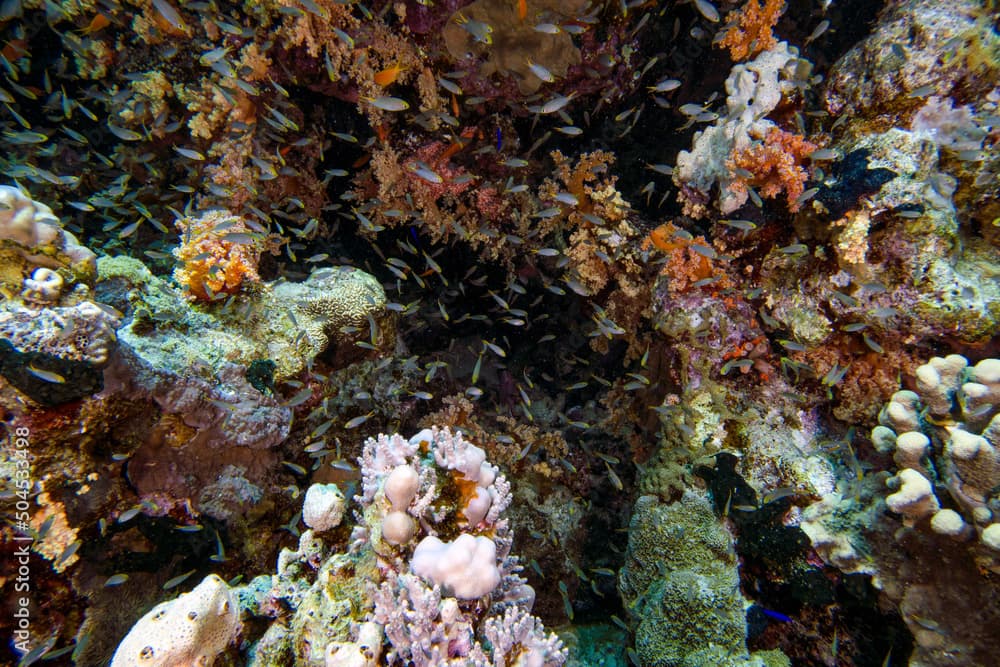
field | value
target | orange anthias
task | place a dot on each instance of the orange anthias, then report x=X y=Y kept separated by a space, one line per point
x=522 y=9
x=389 y=75
x=98 y=23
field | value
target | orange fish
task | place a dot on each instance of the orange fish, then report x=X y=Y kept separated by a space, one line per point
x=98 y=23
x=522 y=9
x=389 y=75
x=15 y=49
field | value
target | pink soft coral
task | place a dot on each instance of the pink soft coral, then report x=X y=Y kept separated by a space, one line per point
x=773 y=166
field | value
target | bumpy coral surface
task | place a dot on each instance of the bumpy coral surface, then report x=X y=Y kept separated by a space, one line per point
x=31 y=236
x=289 y=323
x=947 y=435
x=681 y=585
x=85 y=332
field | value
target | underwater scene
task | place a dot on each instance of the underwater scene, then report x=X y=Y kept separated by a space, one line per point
x=500 y=333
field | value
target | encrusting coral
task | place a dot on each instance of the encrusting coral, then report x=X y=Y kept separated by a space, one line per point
x=332 y=308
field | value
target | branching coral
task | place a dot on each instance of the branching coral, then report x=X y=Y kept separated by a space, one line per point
x=773 y=165
x=749 y=31
x=688 y=262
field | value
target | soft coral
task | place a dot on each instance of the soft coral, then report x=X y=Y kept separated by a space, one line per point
x=774 y=166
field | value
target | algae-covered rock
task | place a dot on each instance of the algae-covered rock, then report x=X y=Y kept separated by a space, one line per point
x=943 y=46
x=680 y=584
x=289 y=323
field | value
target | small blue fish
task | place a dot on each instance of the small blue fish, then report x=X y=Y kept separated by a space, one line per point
x=776 y=615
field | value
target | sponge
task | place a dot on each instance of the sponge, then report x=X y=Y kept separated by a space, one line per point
x=466 y=568
x=189 y=631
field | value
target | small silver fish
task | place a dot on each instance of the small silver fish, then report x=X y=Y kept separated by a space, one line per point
x=386 y=103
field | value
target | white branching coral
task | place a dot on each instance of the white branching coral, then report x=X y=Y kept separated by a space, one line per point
x=460 y=575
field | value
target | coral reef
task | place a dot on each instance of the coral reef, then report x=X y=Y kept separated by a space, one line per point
x=219 y=253
x=289 y=323
x=681 y=586
x=639 y=279
x=942 y=492
x=754 y=89
x=944 y=435
x=772 y=165
x=466 y=606
x=919 y=45
x=31 y=236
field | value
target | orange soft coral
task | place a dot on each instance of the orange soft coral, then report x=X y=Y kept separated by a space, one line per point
x=688 y=265
x=773 y=166
x=218 y=253
x=749 y=31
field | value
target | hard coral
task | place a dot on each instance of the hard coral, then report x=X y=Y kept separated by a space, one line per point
x=219 y=253
x=774 y=165
x=749 y=31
